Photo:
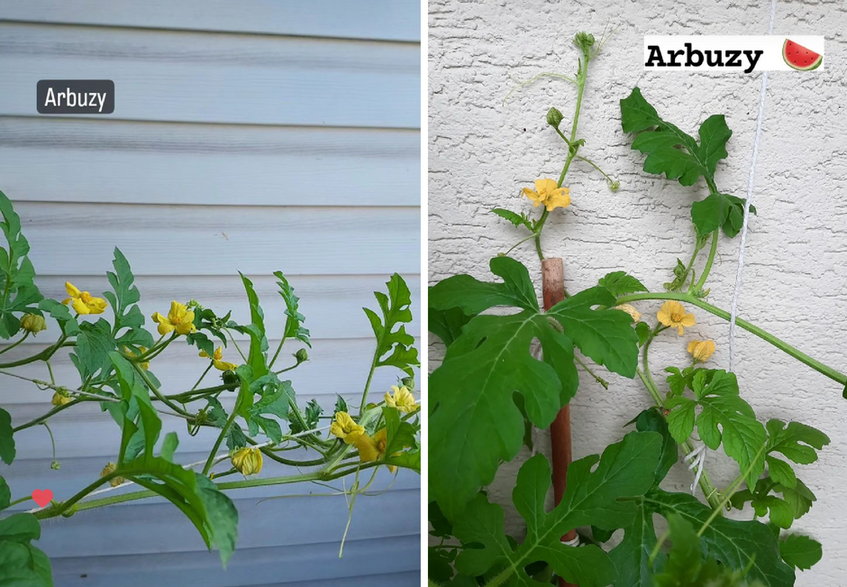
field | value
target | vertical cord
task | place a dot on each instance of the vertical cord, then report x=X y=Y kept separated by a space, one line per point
x=750 y=181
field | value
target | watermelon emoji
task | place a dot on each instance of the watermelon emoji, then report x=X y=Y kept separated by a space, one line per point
x=798 y=57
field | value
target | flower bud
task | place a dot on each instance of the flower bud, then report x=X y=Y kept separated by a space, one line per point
x=302 y=355
x=629 y=309
x=408 y=382
x=33 y=323
x=701 y=350
x=554 y=117
x=230 y=379
x=248 y=460
x=584 y=41
x=615 y=185
x=108 y=470
x=60 y=398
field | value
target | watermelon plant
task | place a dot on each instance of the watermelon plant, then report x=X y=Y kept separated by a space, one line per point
x=492 y=387
x=252 y=409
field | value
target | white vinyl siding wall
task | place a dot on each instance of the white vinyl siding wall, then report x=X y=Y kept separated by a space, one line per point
x=252 y=136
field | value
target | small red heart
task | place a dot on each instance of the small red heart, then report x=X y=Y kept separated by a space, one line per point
x=42 y=497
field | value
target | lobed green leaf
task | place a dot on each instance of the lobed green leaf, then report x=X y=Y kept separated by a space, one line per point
x=801 y=552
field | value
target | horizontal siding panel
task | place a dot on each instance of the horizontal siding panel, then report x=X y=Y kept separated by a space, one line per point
x=203 y=77
x=332 y=304
x=395 y=20
x=298 y=565
x=159 y=527
x=233 y=165
x=202 y=240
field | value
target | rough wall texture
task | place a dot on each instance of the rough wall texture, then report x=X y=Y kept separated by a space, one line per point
x=483 y=149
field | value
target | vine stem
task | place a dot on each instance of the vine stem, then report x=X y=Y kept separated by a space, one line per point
x=16 y=343
x=730 y=491
x=42 y=356
x=278 y=349
x=572 y=147
x=211 y=460
x=709 y=261
x=364 y=401
x=752 y=328
x=706 y=486
x=140 y=371
x=322 y=475
x=194 y=387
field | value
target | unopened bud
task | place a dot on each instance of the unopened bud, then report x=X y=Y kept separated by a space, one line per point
x=554 y=117
x=408 y=382
x=61 y=398
x=248 y=460
x=584 y=41
x=33 y=323
x=302 y=355
x=108 y=470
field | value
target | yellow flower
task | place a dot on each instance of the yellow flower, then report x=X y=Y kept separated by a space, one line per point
x=673 y=314
x=82 y=301
x=217 y=360
x=179 y=318
x=546 y=192
x=701 y=350
x=33 y=323
x=247 y=460
x=345 y=428
x=402 y=399
x=61 y=398
x=372 y=448
x=141 y=351
x=636 y=315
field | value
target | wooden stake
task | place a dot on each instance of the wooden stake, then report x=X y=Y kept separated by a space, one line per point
x=553 y=292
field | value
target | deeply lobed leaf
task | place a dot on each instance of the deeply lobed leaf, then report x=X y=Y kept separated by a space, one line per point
x=624 y=470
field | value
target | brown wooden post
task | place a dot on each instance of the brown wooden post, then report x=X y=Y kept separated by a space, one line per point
x=553 y=292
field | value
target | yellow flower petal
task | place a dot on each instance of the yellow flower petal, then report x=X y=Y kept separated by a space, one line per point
x=536 y=198
x=224 y=365
x=402 y=399
x=559 y=198
x=371 y=448
x=247 y=460
x=701 y=350
x=72 y=289
x=673 y=315
x=165 y=325
x=345 y=428
x=80 y=307
x=545 y=186
x=179 y=319
x=94 y=305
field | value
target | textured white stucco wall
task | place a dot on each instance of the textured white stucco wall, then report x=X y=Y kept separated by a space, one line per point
x=482 y=150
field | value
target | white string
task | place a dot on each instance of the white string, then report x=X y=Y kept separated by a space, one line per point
x=750 y=181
